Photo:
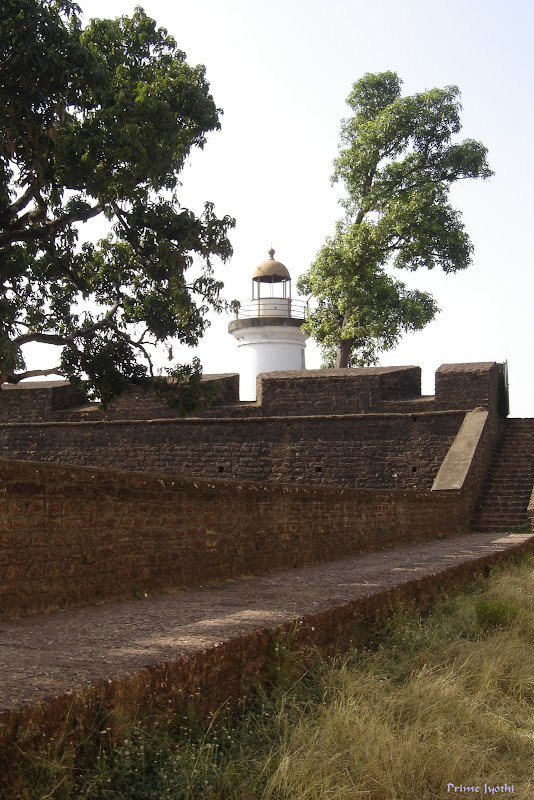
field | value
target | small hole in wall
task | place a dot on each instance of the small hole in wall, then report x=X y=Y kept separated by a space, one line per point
x=414 y=419
x=318 y=469
x=414 y=469
x=221 y=469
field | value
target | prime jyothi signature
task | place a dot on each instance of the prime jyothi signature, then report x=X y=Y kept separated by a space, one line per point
x=485 y=788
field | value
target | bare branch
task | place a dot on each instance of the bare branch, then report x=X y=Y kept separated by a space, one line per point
x=31 y=373
x=103 y=323
x=134 y=343
x=121 y=216
x=141 y=339
x=21 y=202
x=49 y=228
x=35 y=215
x=52 y=338
x=42 y=338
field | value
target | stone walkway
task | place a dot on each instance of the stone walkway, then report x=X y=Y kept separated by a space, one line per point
x=47 y=656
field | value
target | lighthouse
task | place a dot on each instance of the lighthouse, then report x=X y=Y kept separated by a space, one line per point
x=267 y=328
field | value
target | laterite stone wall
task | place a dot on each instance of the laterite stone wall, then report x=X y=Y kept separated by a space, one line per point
x=76 y=536
x=364 y=451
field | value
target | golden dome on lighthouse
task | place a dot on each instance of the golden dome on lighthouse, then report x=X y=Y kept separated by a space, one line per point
x=271 y=271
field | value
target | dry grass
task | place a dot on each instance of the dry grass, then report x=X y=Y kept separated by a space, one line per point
x=444 y=698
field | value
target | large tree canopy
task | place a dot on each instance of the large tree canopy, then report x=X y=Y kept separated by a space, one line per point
x=100 y=121
x=397 y=163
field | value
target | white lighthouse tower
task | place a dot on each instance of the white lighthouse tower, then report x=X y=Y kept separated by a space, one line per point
x=267 y=329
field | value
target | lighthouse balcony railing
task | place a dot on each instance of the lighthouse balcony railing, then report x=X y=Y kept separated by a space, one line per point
x=273 y=307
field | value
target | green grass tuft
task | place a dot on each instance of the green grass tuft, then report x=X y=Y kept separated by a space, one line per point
x=495 y=613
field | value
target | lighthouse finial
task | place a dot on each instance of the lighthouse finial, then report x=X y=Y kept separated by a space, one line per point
x=271 y=252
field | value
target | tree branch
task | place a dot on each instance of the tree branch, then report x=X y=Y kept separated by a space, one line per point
x=21 y=203
x=52 y=338
x=365 y=191
x=35 y=215
x=42 y=338
x=31 y=373
x=134 y=343
x=49 y=228
x=118 y=211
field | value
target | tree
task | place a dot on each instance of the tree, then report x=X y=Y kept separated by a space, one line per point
x=365 y=305
x=99 y=122
x=397 y=165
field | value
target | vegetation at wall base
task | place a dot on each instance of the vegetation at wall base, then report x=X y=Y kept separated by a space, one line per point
x=441 y=697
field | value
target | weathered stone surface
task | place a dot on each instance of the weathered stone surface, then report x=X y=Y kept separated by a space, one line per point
x=65 y=671
x=75 y=535
x=366 y=428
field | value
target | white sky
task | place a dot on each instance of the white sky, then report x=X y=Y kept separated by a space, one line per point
x=281 y=72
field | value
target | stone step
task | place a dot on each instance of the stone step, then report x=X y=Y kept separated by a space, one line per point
x=500 y=508
x=509 y=510
x=495 y=492
x=520 y=471
x=506 y=491
x=511 y=488
x=500 y=511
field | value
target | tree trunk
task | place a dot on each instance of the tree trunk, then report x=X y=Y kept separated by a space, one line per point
x=343 y=352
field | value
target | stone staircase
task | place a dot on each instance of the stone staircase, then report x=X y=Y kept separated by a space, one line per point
x=506 y=492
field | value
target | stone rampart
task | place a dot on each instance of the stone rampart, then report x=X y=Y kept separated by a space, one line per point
x=210 y=498
x=365 y=451
x=364 y=428
x=76 y=536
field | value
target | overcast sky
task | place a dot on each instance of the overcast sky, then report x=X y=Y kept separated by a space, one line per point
x=281 y=72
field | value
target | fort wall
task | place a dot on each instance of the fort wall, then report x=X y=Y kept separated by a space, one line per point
x=76 y=536
x=365 y=451
x=215 y=497
x=362 y=428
